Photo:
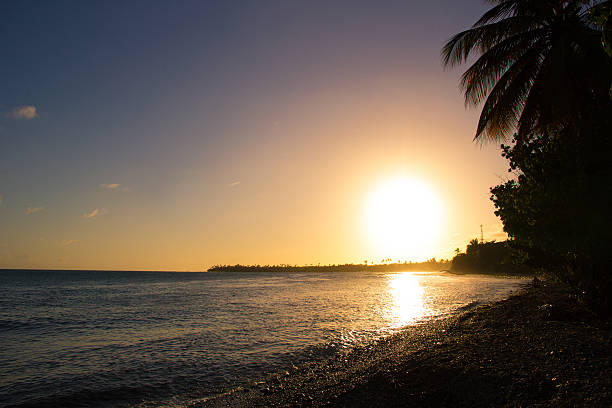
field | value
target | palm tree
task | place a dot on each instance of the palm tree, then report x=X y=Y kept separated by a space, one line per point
x=541 y=64
x=602 y=16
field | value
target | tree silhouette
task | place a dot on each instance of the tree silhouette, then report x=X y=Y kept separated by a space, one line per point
x=541 y=65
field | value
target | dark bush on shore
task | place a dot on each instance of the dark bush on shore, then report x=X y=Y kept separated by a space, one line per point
x=558 y=209
x=488 y=258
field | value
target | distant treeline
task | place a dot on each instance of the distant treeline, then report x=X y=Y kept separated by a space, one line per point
x=431 y=265
x=488 y=258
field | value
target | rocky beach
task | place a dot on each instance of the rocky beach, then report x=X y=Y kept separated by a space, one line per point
x=540 y=347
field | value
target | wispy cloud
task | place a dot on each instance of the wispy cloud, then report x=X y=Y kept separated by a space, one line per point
x=23 y=112
x=34 y=210
x=115 y=186
x=234 y=184
x=112 y=186
x=91 y=214
x=68 y=242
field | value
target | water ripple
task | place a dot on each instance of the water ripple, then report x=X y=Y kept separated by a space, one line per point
x=125 y=338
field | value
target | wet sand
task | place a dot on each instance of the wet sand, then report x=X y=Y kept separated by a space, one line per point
x=539 y=347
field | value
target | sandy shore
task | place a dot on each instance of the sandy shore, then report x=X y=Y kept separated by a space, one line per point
x=539 y=347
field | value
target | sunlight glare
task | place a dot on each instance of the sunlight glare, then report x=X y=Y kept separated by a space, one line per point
x=403 y=218
x=408 y=300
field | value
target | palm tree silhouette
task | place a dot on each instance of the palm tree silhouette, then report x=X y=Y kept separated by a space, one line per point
x=541 y=64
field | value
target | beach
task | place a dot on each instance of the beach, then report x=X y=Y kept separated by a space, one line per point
x=540 y=347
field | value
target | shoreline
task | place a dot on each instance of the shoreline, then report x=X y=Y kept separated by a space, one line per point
x=538 y=347
x=428 y=266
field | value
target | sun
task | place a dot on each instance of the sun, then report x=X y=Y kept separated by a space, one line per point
x=403 y=218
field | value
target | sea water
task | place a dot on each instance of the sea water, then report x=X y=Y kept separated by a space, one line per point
x=101 y=338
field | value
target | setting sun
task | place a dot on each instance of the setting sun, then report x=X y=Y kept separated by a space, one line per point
x=403 y=218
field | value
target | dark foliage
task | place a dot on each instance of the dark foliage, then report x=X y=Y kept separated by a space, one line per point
x=558 y=211
x=601 y=15
x=545 y=73
x=487 y=258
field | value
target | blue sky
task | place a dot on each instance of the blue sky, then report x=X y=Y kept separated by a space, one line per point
x=217 y=120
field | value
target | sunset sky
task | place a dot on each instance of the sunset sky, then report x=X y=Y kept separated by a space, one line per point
x=176 y=135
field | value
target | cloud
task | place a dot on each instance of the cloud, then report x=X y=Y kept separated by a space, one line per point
x=67 y=242
x=91 y=214
x=23 y=112
x=115 y=186
x=234 y=184
x=34 y=210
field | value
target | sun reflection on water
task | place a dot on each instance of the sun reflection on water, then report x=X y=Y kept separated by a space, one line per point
x=408 y=305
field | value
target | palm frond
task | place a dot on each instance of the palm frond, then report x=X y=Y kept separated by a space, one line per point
x=531 y=112
x=504 y=9
x=501 y=111
x=459 y=47
x=532 y=71
x=480 y=78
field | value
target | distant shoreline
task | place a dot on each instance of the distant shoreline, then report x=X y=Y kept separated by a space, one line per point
x=429 y=266
x=442 y=266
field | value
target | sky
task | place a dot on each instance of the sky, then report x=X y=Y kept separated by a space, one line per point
x=159 y=135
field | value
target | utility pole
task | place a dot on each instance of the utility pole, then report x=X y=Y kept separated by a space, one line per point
x=481 y=235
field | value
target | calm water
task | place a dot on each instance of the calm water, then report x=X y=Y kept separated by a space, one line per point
x=81 y=338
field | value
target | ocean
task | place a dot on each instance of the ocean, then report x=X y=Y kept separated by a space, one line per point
x=150 y=339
